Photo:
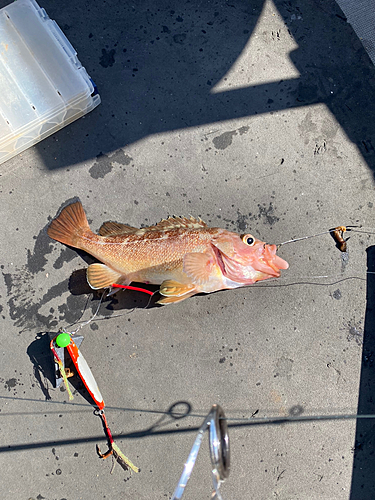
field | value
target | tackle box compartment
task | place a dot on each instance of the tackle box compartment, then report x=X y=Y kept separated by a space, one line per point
x=43 y=85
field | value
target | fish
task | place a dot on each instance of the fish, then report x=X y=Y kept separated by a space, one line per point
x=181 y=254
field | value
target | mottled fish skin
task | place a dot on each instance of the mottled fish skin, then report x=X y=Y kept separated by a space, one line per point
x=184 y=255
x=138 y=254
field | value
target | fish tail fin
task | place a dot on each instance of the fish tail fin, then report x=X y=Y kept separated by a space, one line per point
x=69 y=226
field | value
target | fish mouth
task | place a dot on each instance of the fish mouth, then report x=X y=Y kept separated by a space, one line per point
x=271 y=262
x=278 y=263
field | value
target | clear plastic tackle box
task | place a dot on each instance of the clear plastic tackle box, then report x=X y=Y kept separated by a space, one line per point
x=43 y=86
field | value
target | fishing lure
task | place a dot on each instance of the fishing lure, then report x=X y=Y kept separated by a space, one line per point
x=337 y=235
x=64 y=340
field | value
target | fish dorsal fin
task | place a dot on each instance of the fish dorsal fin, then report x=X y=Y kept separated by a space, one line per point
x=176 y=223
x=110 y=228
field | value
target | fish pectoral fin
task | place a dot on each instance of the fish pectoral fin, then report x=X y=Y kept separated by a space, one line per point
x=174 y=300
x=198 y=266
x=171 y=288
x=111 y=228
x=102 y=276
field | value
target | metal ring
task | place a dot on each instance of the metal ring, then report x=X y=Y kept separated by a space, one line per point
x=219 y=442
x=219 y=451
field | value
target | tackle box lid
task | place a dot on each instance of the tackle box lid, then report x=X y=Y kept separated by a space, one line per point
x=43 y=85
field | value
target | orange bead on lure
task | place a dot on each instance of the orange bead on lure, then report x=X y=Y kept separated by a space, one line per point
x=182 y=255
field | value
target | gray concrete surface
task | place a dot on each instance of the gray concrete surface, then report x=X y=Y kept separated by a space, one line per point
x=256 y=116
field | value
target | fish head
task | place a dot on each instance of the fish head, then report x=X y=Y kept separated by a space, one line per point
x=245 y=259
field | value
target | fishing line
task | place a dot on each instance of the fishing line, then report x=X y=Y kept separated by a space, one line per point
x=301 y=418
x=178 y=414
x=127 y=287
x=364 y=232
x=331 y=231
x=335 y=232
x=339 y=278
x=278 y=285
x=271 y=283
x=89 y=320
x=83 y=312
x=305 y=237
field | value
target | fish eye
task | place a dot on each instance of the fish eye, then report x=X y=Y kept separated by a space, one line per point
x=248 y=239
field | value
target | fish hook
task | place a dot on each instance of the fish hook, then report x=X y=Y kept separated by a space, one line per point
x=113 y=449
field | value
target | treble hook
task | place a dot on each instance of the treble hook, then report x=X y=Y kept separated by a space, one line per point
x=108 y=433
x=113 y=449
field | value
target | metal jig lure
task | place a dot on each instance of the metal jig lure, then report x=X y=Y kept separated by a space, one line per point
x=65 y=340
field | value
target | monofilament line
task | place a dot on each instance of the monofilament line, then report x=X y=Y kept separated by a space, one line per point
x=305 y=237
